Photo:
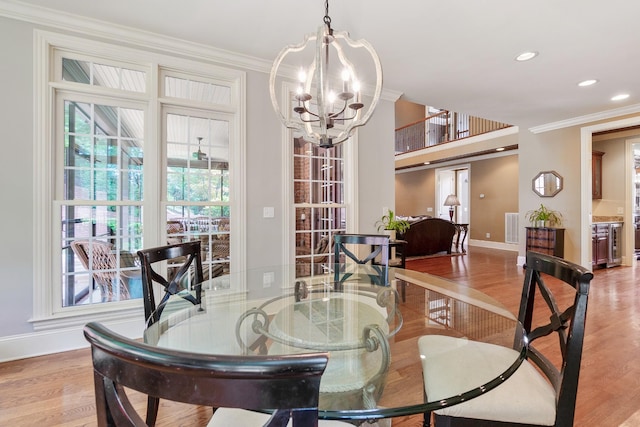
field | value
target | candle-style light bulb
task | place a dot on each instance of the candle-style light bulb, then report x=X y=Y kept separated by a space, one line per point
x=331 y=97
x=345 y=80
x=302 y=76
x=356 y=89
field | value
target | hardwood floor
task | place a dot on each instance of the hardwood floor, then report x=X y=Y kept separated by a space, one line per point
x=57 y=390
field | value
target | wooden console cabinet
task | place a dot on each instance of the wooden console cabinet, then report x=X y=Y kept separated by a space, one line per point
x=546 y=240
x=600 y=243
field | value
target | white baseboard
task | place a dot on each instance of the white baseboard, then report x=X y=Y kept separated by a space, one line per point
x=494 y=245
x=58 y=340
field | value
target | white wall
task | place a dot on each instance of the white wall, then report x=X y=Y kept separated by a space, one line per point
x=376 y=169
x=264 y=163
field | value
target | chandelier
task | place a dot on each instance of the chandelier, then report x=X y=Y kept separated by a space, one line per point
x=338 y=107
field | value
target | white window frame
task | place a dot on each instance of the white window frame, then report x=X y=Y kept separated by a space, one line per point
x=48 y=312
x=176 y=108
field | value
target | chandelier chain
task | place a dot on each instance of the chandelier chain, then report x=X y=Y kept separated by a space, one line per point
x=327 y=18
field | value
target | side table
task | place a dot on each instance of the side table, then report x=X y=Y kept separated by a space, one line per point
x=461 y=228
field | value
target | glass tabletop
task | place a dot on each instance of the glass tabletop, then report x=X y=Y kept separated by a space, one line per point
x=378 y=337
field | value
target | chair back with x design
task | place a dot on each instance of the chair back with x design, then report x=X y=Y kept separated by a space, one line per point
x=568 y=324
x=187 y=275
x=372 y=246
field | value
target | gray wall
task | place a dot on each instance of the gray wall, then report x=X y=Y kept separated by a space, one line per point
x=264 y=163
x=16 y=181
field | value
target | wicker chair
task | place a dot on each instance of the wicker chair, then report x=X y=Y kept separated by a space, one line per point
x=320 y=256
x=106 y=267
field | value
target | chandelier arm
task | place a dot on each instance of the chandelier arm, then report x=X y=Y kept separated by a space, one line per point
x=336 y=114
x=309 y=121
x=307 y=111
x=347 y=118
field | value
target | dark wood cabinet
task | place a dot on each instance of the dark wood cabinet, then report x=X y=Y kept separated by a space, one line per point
x=605 y=240
x=600 y=243
x=546 y=240
x=596 y=174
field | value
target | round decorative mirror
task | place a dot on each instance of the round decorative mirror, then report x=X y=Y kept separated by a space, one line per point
x=547 y=184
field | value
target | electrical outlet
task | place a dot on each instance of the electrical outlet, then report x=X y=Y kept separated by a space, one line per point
x=620 y=211
x=268 y=279
x=268 y=212
x=429 y=209
x=488 y=235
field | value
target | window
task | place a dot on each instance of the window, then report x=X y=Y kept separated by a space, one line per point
x=320 y=207
x=322 y=195
x=197 y=178
x=139 y=152
x=101 y=201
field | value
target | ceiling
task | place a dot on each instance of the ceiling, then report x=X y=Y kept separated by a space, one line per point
x=452 y=54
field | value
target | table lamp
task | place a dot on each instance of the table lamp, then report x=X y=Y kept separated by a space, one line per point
x=451 y=201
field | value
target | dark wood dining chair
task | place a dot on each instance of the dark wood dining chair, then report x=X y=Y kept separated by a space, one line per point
x=362 y=249
x=289 y=386
x=187 y=274
x=543 y=389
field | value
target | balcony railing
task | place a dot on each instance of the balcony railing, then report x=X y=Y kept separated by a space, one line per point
x=441 y=128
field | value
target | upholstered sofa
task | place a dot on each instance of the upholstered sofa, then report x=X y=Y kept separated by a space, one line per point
x=428 y=236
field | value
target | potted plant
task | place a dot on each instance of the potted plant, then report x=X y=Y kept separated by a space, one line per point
x=544 y=217
x=390 y=222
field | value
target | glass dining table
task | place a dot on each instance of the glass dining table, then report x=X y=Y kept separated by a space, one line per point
x=371 y=332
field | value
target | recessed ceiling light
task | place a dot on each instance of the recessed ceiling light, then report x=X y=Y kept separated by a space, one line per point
x=620 y=97
x=427 y=163
x=588 y=82
x=500 y=149
x=525 y=56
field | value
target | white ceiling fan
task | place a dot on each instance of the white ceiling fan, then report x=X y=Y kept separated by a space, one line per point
x=214 y=163
x=200 y=155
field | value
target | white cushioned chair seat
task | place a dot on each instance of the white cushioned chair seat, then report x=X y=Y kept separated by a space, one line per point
x=525 y=397
x=233 y=417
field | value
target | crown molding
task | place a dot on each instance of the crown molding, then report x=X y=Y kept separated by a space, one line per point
x=589 y=118
x=94 y=28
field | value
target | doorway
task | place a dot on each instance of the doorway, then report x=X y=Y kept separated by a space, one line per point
x=633 y=175
x=586 y=134
x=453 y=180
